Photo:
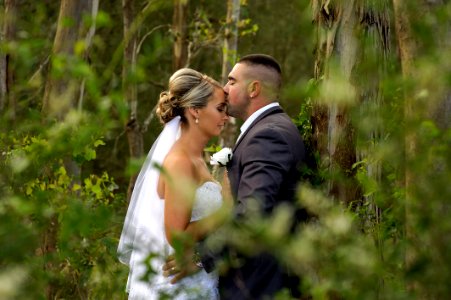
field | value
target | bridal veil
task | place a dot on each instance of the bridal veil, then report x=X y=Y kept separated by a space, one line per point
x=143 y=232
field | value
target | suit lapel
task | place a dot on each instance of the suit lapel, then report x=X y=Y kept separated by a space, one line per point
x=270 y=111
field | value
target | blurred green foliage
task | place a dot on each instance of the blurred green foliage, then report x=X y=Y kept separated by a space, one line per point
x=74 y=172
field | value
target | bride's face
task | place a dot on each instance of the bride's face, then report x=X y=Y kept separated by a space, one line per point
x=213 y=117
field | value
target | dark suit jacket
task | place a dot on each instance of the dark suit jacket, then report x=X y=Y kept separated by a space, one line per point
x=265 y=166
x=266 y=162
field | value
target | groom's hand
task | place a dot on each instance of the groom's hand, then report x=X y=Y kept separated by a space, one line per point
x=179 y=270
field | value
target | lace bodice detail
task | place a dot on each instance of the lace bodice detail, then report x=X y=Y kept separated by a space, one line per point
x=208 y=199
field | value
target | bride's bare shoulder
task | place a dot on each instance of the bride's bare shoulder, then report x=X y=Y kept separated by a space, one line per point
x=178 y=161
x=176 y=165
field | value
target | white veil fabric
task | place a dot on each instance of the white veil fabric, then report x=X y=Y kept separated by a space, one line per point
x=143 y=232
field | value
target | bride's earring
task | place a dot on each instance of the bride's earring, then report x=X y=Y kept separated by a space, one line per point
x=196 y=121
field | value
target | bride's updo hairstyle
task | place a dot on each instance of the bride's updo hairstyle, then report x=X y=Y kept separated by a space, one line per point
x=187 y=88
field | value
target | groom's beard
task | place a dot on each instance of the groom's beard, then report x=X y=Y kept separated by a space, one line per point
x=238 y=111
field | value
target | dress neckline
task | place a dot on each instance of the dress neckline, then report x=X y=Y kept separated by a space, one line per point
x=209 y=181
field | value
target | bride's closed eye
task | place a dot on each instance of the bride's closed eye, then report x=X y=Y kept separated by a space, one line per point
x=222 y=108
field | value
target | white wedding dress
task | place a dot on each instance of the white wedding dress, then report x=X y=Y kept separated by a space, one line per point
x=202 y=285
x=143 y=245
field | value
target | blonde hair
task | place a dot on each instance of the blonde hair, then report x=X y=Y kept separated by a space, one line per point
x=187 y=88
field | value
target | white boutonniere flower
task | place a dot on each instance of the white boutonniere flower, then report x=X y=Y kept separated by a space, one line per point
x=222 y=157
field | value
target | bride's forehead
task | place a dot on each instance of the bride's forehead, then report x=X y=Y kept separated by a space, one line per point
x=218 y=96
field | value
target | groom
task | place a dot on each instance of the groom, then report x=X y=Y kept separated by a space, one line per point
x=265 y=166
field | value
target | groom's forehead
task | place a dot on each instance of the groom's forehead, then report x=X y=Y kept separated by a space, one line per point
x=239 y=71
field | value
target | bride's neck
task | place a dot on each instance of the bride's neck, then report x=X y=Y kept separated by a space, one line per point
x=193 y=142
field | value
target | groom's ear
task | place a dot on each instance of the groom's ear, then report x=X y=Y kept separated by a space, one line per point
x=254 y=89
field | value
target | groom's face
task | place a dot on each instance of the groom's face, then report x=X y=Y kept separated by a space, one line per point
x=236 y=90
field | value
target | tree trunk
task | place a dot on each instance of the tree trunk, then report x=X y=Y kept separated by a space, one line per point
x=407 y=50
x=413 y=48
x=6 y=73
x=59 y=99
x=180 y=29
x=441 y=112
x=405 y=39
x=88 y=41
x=336 y=58
x=341 y=132
x=133 y=129
x=376 y=51
x=229 y=51
x=230 y=38
x=61 y=93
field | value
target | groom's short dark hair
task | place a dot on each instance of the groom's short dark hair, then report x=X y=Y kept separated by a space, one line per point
x=261 y=59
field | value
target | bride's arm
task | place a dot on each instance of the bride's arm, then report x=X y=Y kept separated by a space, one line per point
x=179 y=191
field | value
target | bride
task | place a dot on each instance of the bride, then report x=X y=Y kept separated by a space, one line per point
x=175 y=190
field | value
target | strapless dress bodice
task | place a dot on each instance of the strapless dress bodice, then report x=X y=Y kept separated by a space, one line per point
x=207 y=200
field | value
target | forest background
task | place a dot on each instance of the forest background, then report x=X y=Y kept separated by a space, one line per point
x=366 y=81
